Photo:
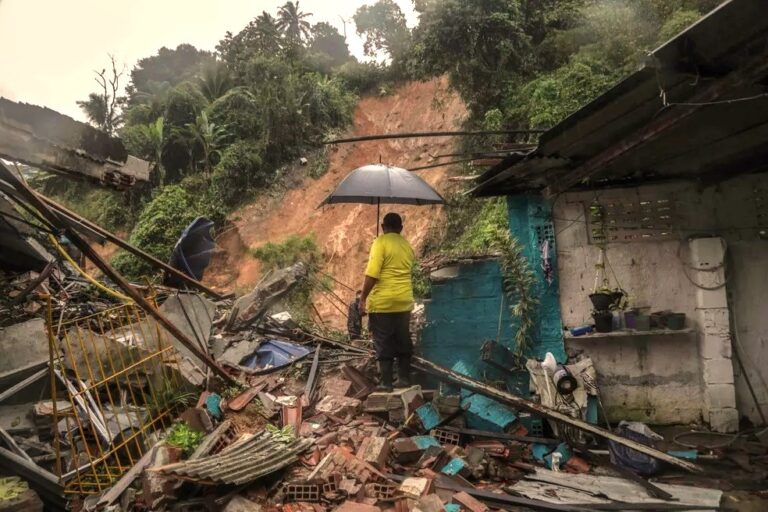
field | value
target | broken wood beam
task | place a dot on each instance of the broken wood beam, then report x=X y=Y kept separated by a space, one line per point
x=34 y=283
x=53 y=218
x=523 y=404
x=128 y=247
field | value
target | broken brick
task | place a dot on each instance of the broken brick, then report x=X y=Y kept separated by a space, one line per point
x=338 y=405
x=415 y=487
x=336 y=387
x=351 y=506
x=406 y=451
x=374 y=451
x=469 y=503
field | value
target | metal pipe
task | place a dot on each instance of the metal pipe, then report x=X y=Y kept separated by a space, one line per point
x=128 y=247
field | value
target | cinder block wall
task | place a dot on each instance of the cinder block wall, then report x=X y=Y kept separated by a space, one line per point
x=686 y=377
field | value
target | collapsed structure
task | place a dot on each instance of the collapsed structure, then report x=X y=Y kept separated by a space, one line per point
x=118 y=396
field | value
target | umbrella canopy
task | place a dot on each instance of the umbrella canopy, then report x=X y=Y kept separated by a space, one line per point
x=378 y=183
x=192 y=252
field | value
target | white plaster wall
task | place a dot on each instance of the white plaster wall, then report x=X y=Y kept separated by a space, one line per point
x=654 y=379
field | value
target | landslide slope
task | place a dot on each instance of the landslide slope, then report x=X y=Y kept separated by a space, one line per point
x=344 y=232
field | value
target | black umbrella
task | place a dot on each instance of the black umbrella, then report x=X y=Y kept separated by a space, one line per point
x=378 y=183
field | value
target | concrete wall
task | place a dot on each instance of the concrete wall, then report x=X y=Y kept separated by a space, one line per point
x=662 y=379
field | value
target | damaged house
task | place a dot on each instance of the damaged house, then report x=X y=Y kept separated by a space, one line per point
x=654 y=191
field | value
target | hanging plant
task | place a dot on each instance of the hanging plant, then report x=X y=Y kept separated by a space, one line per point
x=518 y=282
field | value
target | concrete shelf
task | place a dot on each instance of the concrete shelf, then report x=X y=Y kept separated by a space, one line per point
x=629 y=334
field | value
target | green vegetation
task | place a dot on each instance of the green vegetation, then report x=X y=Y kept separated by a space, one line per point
x=158 y=228
x=283 y=435
x=182 y=436
x=296 y=248
x=218 y=127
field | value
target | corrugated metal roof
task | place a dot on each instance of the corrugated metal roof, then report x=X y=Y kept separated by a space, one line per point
x=629 y=135
x=244 y=461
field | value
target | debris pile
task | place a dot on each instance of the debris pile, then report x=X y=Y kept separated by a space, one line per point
x=125 y=397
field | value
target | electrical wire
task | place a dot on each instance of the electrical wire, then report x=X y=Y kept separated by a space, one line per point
x=686 y=266
x=85 y=274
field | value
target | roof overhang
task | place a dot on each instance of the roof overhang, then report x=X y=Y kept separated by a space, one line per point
x=674 y=119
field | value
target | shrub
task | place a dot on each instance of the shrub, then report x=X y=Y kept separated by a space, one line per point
x=182 y=436
x=240 y=170
x=157 y=229
x=295 y=248
x=362 y=77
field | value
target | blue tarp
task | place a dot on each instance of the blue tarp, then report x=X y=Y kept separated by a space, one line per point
x=192 y=252
x=273 y=354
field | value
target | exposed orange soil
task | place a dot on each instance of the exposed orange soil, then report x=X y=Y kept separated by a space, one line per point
x=344 y=232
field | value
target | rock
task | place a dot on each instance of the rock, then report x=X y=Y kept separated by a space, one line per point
x=338 y=406
x=240 y=504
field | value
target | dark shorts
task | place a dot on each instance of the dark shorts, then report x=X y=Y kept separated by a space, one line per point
x=391 y=334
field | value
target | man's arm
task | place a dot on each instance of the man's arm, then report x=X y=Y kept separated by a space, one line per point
x=368 y=285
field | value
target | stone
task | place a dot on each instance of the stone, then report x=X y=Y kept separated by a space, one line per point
x=718 y=371
x=249 y=308
x=469 y=503
x=724 y=420
x=240 y=504
x=375 y=451
x=720 y=396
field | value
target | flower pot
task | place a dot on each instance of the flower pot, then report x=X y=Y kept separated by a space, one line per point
x=601 y=301
x=676 y=321
x=603 y=321
x=630 y=319
x=642 y=322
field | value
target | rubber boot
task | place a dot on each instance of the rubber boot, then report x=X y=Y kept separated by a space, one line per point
x=403 y=372
x=385 y=375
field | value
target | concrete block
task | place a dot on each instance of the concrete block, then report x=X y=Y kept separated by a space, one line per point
x=714 y=320
x=718 y=371
x=720 y=396
x=715 y=346
x=706 y=299
x=23 y=346
x=415 y=487
x=724 y=420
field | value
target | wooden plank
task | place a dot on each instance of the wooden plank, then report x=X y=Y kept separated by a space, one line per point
x=520 y=403
x=23 y=384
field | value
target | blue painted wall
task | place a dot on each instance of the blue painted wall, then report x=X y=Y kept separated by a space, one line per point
x=530 y=222
x=464 y=311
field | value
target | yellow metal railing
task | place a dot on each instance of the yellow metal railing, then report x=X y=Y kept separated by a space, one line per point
x=119 y=373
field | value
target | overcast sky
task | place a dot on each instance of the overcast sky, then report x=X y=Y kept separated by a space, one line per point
x=49 y=48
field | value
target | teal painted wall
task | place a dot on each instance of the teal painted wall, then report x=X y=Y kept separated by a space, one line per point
x=464 y=311
x=530 y=222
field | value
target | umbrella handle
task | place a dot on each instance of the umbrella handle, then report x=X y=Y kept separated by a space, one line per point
x=378 y=215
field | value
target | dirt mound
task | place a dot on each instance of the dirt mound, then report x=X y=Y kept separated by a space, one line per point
x=344 y=232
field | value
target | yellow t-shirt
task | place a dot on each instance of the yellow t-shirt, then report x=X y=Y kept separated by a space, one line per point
x=390 y=261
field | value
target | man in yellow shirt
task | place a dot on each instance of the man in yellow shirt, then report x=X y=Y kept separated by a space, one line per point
x=388 y=299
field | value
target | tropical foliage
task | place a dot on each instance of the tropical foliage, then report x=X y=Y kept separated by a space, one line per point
x=218 y=127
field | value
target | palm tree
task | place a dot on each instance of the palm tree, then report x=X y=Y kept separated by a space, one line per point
x=208 y=136
x=214 y=81
x=95 y=109
x=292 y=23
x=267 y=33
x=154 y=134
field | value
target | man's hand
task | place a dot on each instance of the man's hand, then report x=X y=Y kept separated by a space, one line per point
x=361 y=308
